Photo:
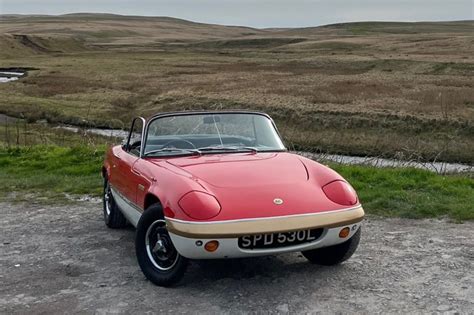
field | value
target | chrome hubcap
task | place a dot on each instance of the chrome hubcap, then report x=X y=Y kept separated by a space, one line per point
x=107 y=198
x=159 y=247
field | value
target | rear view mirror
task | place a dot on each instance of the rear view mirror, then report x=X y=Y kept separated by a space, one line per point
x=211 y=119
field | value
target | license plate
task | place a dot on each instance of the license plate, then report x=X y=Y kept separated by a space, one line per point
x=274 y=240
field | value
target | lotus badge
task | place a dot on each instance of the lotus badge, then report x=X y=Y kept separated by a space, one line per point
x=278 y=201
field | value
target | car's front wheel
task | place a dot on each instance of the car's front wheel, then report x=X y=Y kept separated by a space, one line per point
x=112 y=216
x=158 y=258
x=336 y=254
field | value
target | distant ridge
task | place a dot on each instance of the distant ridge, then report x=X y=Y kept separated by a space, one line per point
x=180 y=20
x=38 y=34
x=111 y=16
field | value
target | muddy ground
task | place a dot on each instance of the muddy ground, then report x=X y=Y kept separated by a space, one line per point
x=57 y=259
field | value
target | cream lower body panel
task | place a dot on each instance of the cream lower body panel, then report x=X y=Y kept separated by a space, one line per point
x=229 y=248
x=129 y=210
x=240 y=227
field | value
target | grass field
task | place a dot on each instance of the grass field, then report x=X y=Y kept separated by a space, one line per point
x=387 y=89
x=51 y=172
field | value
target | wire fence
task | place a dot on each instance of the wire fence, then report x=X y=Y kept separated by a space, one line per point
x=18 y=132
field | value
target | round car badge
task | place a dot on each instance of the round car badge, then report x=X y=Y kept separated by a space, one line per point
x=278 y=201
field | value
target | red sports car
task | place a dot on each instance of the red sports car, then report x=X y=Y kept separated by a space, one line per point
x=208 y=185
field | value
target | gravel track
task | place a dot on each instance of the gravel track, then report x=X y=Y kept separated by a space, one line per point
x=57 y=259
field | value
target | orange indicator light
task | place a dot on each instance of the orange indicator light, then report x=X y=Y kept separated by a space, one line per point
x=344 y=232
x=211 y=246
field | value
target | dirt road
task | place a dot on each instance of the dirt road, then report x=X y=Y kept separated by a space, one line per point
x=63 y=259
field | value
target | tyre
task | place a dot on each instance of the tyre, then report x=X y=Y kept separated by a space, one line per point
x=158 y=258
x=336 y=254
x=112 y=216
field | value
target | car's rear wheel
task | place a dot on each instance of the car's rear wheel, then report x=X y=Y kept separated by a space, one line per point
x=112 y=216
x=336 y=254
x=158 y=258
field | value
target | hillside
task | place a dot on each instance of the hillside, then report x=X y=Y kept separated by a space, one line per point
x=85 y=30
x=103 y=29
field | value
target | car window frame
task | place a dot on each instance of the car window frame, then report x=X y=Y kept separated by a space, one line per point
x=126 y=147
x=190 y=113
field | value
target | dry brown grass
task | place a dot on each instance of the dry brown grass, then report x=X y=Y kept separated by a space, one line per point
x=56 y=84
x=379 y=89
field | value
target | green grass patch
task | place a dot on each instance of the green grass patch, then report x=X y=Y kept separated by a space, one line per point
x=53 y=171
x=411 y=193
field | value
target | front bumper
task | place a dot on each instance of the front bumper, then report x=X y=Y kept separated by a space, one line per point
x=229 y=248
x=186 y=235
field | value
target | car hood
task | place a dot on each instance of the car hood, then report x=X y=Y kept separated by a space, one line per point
x=249 y=185
x=244 y=169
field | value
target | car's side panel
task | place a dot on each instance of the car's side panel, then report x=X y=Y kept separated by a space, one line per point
x=113 y=159
x=146 y=180
x=167 y=183
x=107 y=167
x=128 y=178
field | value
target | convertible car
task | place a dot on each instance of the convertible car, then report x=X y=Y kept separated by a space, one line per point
x=216 y=185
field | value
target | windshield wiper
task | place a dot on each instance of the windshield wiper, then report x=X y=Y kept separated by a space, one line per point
x=193 y=151
x=220 y=148
x=199 y=151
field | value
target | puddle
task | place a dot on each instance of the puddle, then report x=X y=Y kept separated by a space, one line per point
x=13 y=74
x=7 y=76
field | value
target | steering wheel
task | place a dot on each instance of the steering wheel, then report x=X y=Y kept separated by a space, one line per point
x=180 y=140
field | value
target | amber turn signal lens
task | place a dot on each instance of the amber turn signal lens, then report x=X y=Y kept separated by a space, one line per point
x=211 y=246
x=344 y=232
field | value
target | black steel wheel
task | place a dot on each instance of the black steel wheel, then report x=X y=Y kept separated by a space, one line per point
x=159 y=248
x=112 y=216
x=158 y=258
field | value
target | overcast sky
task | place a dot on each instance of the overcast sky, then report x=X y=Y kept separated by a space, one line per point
x=259 y=13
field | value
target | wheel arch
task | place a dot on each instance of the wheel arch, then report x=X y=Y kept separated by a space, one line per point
x=150 y=199
x=104 y=172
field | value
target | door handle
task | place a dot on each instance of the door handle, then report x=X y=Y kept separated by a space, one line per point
x=136 y=172
x=117 y=156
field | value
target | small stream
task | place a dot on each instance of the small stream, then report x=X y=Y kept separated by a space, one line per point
x=437 y=167
x=112 y=133
x=9 y=75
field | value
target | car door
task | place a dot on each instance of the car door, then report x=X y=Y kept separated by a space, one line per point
x=127 y=176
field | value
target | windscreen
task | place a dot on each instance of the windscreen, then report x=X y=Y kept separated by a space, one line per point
x=209 y=133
